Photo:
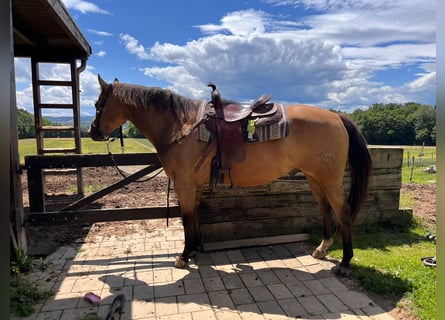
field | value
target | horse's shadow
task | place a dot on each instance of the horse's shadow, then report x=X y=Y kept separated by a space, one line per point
x=237 y=288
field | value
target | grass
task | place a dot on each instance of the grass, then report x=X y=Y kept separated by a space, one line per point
x=28 y=146
x=387 y=262
x=423 y=158
x=23 y=295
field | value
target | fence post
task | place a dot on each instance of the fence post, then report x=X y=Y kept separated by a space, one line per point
x=412 y=170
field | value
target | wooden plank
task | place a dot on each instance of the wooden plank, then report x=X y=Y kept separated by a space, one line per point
x=381 y=178
x=102 y=215
x=252 y=207
x=99 y=194
x=16 y=213
x=62 y=83
x=57 y=128
x=56 y=106
x=232 y=230
x=55 y=150
x=89 y=160
x=35 y=190
x=386 y=157
x=253 y=242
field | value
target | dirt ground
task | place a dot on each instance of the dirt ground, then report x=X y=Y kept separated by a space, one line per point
x=61 y=191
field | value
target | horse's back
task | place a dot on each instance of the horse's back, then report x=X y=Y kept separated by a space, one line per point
x=317 y=144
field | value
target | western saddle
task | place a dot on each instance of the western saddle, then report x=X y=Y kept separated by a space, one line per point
x=231 y=126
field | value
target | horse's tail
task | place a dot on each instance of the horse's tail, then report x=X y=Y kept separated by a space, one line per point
x=360 y=164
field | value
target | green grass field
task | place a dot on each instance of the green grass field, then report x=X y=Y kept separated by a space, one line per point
x=28 y=146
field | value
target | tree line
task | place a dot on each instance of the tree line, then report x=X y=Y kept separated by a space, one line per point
x=397 y=124
x=385 y=124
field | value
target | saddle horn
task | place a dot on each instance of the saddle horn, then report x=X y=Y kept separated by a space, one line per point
x=216 y=97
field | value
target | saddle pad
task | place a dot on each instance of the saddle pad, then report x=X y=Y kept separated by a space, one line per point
x=272 y=131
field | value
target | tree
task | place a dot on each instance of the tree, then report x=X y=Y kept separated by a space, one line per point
x=424 y=122
x=397 y=124
x=133 y=132
x=25 y=124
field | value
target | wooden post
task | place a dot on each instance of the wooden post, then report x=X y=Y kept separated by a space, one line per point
x=17 y=215
x=36 y=190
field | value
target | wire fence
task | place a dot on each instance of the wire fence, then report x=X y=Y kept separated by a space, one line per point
x=420 y=164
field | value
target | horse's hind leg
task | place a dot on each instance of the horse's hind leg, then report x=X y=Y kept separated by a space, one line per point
x=321 y=251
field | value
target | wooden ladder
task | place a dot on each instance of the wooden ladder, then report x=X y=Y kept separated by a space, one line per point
x=44 y=131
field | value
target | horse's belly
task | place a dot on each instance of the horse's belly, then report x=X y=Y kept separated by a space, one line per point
x=264 y=163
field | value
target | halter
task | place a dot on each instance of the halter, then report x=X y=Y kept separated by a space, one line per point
x=100 y=105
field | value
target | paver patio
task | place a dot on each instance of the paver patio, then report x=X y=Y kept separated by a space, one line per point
x=269 y=282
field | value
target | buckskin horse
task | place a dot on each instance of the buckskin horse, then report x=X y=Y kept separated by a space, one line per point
x=319 y=143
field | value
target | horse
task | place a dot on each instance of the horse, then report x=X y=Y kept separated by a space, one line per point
x=320 y=144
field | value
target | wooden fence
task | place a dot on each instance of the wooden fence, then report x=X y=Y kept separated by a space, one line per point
x=286 y=206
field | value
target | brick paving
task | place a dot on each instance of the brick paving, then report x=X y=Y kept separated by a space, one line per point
x=269 y=282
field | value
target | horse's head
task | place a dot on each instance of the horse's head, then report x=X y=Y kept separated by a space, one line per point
x=109 y=115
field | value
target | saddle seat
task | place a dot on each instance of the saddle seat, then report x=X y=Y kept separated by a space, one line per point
x=228 y=123
x=259 y=108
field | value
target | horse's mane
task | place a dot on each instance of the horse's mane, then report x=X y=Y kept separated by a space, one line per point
x=158 y=98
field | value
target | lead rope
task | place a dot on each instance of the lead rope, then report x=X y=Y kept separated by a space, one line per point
x=122 y=173
x=121 y=138
x=168 y=200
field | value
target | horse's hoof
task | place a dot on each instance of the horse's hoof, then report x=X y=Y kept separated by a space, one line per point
x=179 y=263
x=317 y=254
x=342 y=271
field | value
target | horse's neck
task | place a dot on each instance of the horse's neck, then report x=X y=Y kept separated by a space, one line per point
x=160 y=127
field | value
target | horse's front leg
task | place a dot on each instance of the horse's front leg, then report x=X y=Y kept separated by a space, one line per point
x=190 y=222
x=192 y=240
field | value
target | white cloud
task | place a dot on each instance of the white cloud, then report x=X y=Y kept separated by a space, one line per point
x=89 y=91
x=132 y=45
x=250 y=66
x=101 y=53
x=425 y=80
x=243 y=23
x=100 y=33
x=391 y=55
x=24 y=99
x=22 y=69
x=84 y=6
x=326 y=58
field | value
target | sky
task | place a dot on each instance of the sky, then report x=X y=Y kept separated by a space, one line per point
x=339 y=54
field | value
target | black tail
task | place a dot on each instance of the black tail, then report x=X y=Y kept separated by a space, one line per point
x=360 y=164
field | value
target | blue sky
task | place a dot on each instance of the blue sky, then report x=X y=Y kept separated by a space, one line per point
x=341 y=54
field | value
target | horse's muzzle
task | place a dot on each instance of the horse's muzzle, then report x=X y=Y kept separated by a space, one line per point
x=95 y=134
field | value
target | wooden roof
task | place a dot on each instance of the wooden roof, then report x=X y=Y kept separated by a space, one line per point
x=45 y=29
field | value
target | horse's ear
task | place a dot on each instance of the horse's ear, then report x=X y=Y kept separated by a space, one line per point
x=103 y=84
x=115 y=80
